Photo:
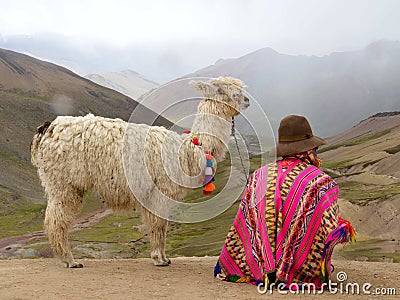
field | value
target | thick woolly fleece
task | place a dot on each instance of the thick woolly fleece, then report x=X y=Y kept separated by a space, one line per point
x=76 y=154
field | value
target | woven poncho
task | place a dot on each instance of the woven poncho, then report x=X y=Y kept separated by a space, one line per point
x=287 y=225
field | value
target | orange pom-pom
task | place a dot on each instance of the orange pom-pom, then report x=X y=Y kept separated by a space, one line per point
x=208 y=156
x=208 y=188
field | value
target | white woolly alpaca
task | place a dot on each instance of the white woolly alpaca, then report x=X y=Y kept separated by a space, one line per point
x=75 y=154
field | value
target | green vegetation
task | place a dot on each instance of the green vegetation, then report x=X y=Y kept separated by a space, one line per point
x=199 y=239
x=19 y=216
x=367 y=138
x=18 y=93
x=329 y=148
x=368 y=163
x=120 y=234
x=348 y=163
x=112 y=229
x=91 y=202
x=355 y=141
x=331 y=174
x=255 y=162
x=221 y=178
x=21 y=223
x=393 y=150
x=368 y=249
x=361 y=194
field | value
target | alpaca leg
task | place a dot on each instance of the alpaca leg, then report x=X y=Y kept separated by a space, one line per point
x=58 y=222
x=157 y=229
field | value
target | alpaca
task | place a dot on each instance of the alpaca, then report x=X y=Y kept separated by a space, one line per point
x=75 y=154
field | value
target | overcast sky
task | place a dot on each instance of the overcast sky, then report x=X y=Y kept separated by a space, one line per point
x=218 y=28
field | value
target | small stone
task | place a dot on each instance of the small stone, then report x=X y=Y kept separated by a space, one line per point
x=30 y=253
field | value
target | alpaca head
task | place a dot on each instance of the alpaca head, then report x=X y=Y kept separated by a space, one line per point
x=223 y=96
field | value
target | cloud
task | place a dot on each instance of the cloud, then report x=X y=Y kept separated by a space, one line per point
x=281 y=24
x=154 y=36
x=62 y=105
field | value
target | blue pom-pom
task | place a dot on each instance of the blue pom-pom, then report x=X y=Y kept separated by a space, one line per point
x=217 y=269
x=209 y=163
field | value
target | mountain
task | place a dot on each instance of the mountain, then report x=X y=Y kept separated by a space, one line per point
x=370 y=147
x=127 y=82
x=365 y=162
x=333 y=91
x=32 y=92
x=157 y=60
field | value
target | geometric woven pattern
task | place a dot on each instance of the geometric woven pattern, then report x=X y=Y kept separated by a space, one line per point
x=287 y=223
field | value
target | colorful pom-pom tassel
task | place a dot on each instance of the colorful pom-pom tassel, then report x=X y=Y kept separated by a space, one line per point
x=208 y=171
x=208 y=179
x=194 y=137
x=209 y=188
x=207 y=182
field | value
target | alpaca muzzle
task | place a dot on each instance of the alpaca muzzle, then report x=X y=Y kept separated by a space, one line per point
x=246 y=101
x=244 y=104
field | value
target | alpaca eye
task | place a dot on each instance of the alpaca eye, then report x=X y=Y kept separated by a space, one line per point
x=236 y=97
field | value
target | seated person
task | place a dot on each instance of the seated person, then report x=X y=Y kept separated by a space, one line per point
x=288 y=220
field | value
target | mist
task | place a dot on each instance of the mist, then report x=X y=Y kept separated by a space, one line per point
x=164 y=42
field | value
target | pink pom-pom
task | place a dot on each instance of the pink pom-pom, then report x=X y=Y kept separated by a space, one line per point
x=207 y=179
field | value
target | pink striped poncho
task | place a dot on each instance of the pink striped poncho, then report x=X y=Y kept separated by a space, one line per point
x=287 y=226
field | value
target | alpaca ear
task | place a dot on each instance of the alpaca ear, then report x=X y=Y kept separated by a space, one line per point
x=204 y=87
x=228 y=85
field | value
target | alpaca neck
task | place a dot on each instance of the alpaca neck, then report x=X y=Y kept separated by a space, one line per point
x=213 y=131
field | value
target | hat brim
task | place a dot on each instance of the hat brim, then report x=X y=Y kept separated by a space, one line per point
x=290 y=148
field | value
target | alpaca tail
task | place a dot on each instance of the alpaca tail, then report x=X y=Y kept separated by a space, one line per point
x=35 y=144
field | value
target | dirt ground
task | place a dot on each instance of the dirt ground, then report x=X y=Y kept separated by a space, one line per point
x=186 y=278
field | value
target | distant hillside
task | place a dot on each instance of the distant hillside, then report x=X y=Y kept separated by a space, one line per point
x=334 y=91
x=126 y=82
x=375 y=124
x=365 y=161
x=371 y=146
x=33 y=91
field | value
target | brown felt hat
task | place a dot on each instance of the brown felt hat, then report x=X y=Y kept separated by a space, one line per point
x=295 y=136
